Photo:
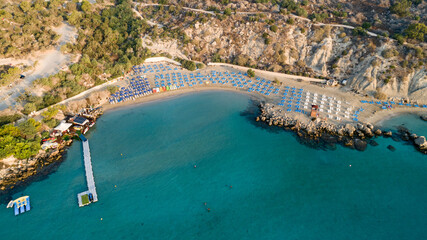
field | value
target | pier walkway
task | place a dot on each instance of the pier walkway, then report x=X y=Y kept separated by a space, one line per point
x=89 y=176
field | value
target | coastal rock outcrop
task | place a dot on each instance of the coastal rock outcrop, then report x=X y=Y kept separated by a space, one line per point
x=421 y=143
x=356 y=135
x=391 y=148
x=360 y=145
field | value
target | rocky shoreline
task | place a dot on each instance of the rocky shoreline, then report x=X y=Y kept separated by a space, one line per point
x=356 y=136
x=25 y=171
x=31 y=169
x=314 y=133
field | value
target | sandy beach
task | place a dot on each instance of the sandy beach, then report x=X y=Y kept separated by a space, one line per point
x=175 y=93
x=372 y=113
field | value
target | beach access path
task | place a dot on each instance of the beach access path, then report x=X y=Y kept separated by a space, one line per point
x=269 y=74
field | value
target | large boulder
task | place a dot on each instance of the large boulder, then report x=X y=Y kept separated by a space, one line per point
x=368 y=132
x=360 y=145
x=378 y=132
x=388 y=134
x=350 y=129
x=421 y=142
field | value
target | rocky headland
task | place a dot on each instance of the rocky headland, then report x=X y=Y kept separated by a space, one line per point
x=27 y=170
x=352 y=135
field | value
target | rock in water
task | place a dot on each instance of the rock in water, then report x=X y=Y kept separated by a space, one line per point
x=421 y=143
x=360 y=145
x=388 y=134
x=391 y=148
x=413 y=136
x=395 y=138
x=373 y=143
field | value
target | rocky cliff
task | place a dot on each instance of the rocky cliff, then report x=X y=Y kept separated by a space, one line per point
x=300 y=47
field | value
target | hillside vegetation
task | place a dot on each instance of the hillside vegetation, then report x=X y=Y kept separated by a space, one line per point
x=278 y=41
x=26 y=27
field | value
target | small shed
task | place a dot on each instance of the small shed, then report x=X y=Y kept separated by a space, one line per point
x=314 y=109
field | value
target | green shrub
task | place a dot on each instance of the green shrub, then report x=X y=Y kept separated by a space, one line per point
x=200 y=66
x=112 y=89
x=359 y=31
x=401 y=7
x=251 y=73
x=301 y=12
x=227 y=12
x=9 y=119
x=416 y=31
x=273 y=28
x=366 y=25
x=29 y=108
x=388 y=53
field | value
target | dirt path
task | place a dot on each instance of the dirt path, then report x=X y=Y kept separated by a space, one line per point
x=268 y=74
x=48 y=62
x=151 y=23
x=252 y=13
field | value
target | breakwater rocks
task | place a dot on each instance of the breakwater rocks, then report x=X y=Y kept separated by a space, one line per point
x=27 y=170
x=317 y=131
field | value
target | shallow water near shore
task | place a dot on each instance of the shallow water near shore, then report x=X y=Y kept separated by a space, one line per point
x=258 y=183
x=412 y=122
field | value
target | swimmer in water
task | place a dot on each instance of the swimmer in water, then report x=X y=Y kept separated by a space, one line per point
x=195 y=165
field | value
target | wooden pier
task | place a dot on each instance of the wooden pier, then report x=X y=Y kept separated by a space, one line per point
x=83 y=197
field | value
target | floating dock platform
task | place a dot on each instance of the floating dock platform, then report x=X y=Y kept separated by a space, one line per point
x=20 y=205
x=89 y=196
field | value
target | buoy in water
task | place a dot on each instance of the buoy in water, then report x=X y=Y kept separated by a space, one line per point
x=115 y=186
x=350 y=165
x=195 y=166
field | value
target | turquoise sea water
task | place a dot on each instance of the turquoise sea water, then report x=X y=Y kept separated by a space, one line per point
x=410 y=121
x=280 y=188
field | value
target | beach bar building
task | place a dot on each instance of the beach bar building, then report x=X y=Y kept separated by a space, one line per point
x=62 y=128
x=79 y=120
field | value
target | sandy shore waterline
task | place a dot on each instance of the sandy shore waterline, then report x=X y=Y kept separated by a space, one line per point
x=371 y=113
x=379 y=117
x=171 y=94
